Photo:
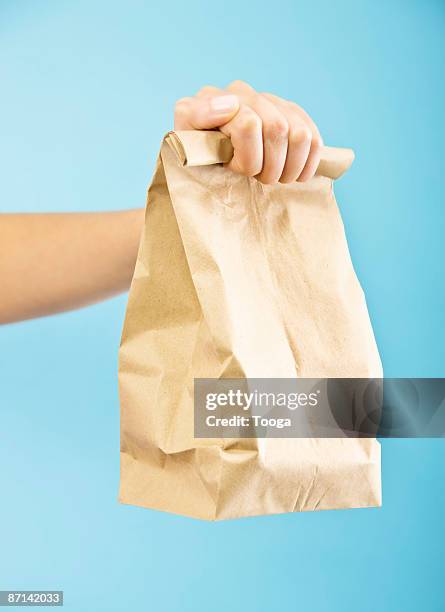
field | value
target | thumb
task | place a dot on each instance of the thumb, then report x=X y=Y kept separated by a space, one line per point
x=205 y=113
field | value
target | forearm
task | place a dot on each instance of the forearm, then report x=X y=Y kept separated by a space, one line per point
x=55 y=262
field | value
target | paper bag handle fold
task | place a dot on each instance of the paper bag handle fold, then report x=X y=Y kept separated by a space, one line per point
x=204 y=148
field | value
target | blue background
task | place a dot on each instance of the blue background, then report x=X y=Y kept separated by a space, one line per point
x=87 y=90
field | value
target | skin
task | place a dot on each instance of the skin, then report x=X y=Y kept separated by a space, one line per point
x=50 y=263
x=274 y=140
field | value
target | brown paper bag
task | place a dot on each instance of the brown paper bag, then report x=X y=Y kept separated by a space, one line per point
x=237 y=279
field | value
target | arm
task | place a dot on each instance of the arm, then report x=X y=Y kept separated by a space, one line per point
x=55 y=262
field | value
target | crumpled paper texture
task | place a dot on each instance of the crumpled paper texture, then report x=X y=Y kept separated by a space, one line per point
x=237 y=279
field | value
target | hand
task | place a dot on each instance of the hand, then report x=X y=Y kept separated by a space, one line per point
x=274 y=140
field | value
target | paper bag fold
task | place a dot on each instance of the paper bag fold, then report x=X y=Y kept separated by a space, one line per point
x=205 y=148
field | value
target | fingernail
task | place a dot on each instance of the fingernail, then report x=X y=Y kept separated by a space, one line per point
x=224 y=104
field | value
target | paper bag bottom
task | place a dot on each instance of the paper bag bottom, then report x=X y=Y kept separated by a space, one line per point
x=280 y=476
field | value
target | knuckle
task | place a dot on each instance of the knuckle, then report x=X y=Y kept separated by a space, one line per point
x=277 y=129
x=248 y=123
x=206 y=90
x=236 y=84
x=270 y=97
x=293 y=106
x=181 y=106
x=301 y=135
